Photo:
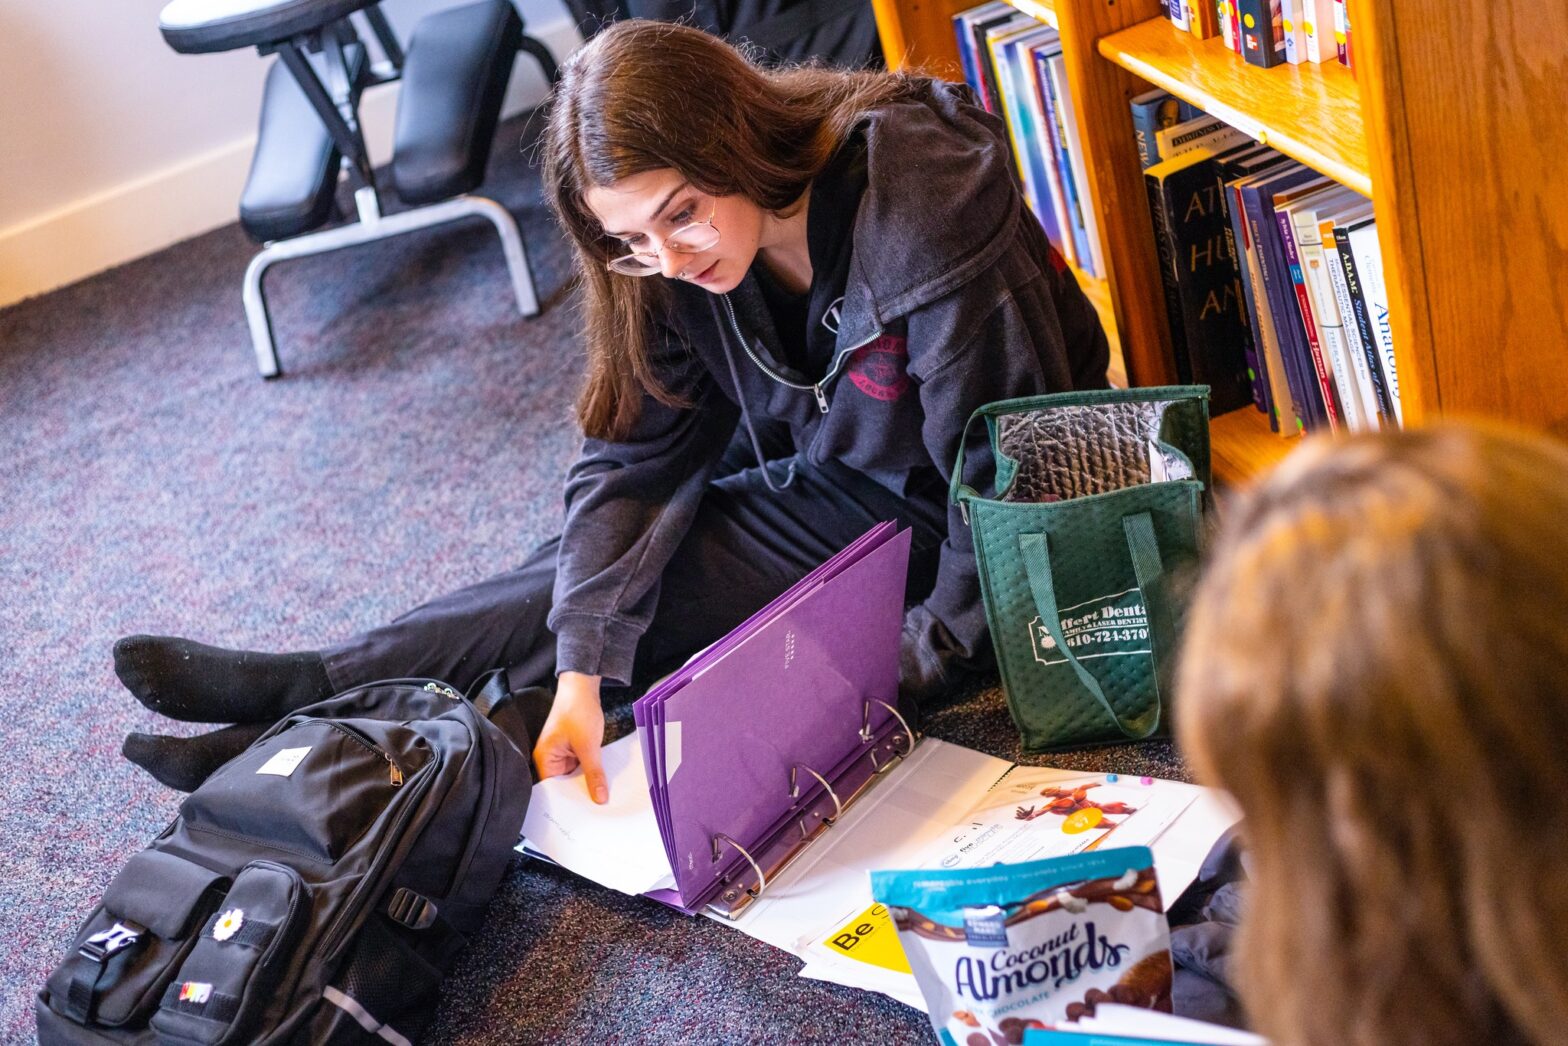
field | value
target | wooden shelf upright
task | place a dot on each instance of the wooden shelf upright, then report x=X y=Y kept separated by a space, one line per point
x=1452 y=124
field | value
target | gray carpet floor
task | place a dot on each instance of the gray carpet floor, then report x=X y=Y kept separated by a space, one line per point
x=153 y=483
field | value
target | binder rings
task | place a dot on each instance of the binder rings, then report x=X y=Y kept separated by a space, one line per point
x=755 y=746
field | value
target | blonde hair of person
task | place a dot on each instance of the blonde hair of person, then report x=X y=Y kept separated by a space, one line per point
x=1374 y=668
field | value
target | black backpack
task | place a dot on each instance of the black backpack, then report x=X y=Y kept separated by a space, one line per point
x=840 y=32
x=317 y=887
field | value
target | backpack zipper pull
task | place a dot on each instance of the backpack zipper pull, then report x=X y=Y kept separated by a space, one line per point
x=822 y=398
x=397 y=775
x=435 y=689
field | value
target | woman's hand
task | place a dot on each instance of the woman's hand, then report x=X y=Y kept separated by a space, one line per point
x=573 y=734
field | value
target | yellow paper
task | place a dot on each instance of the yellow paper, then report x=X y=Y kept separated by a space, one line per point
x=870 y=938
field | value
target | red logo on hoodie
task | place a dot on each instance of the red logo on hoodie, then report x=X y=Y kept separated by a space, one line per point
x=881 y=369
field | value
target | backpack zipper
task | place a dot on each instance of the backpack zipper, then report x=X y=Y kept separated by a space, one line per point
x=330 y=938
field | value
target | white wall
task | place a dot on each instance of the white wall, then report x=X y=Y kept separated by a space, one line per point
x=113 y=146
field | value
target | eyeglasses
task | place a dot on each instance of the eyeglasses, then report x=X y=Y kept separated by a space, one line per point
x=694 y=238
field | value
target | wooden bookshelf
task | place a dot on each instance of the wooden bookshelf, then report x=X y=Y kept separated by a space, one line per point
x=1452 y=124
x=1242 y=446
x=1311 y=113
x=1044 y=10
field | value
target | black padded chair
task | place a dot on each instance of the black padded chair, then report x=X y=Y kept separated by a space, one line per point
x=454 y=73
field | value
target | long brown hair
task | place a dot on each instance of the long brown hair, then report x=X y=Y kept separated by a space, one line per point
x=1374 y=669
x=643 y=96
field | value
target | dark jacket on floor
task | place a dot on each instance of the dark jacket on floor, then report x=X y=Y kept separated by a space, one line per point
x=953 y=298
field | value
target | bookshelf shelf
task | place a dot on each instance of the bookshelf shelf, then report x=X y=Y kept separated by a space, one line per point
x=1242 y=446
x=1044 y=10
x=1311 y=113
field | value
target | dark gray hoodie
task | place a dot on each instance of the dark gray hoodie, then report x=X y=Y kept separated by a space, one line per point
x=954 y=298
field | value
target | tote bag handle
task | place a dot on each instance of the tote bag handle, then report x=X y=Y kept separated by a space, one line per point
x=1035 y=550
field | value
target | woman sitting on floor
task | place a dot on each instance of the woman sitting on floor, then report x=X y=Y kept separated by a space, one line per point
x=846 y=270
x=1374 y=670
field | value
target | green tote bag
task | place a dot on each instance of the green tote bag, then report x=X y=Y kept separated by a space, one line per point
x=1099 y=499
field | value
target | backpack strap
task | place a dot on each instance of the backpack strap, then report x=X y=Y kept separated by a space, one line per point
x=519 y=716
x=92 y=962
x=490 y=691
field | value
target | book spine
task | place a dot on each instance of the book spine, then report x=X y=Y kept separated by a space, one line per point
x=1050 y=144
x=1235 y=243
x=1262 y=39
x=1341 y=36
x=1295 y=38
x=1165 y=245
x=1001 y=59
x=1235 y=25
x=1073 y=217
x=991 y=96
x=1203 y=18
x=1283 y=418
x=1176 y=11
x=1334 y=269
x=1145 y=126
x=1094 y=264
x=1304 y=311
x=1325 y=319
x=1369 y=266
x=1318 y=30
x=1265 y=242
x=965 y=57
x=1365 y=334
x=1216 y=135
x=1227 y=25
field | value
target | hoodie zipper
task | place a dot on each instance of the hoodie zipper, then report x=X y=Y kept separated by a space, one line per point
x=816 y=389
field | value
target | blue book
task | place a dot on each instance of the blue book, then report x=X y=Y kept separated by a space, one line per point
x=1048 y=67
x=1032 y=144
x=963 y=28
x=1253 y=161
x=1152 y=111
x=1258 y=205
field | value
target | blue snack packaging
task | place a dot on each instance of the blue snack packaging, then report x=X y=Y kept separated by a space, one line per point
x=1001 y=950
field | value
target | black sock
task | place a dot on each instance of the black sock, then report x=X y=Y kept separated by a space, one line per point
x=206 y=684
x=183 y=763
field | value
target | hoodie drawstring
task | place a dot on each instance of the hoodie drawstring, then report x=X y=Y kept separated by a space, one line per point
x=745 y=417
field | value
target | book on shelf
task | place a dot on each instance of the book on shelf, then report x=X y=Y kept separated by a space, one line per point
x=1369 y=267
x=1203 y=19
x=1015 y=70
x=1290 y=24
x=1284 y=417
x=1068 y=122
x=1014 y=64
x=964 y=29
x=1381 y=371
x=1179 y=14
x=1326 y=324
x=1268 y=391
x=1197 y=133
x=1064 y=187
x=1262 y=36
x=1317 y=356
x=1317 y=24
x=1375 y=407
x=1276 y=300
x=1202 y=285
x=1152 y=112
x=972 y=26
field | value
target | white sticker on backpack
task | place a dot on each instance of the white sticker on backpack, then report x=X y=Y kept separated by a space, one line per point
x=284 y=762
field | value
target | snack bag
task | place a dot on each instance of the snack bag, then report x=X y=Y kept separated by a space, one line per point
x=999 y=950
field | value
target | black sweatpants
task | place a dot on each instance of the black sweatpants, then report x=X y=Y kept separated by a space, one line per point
x=746 y=545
